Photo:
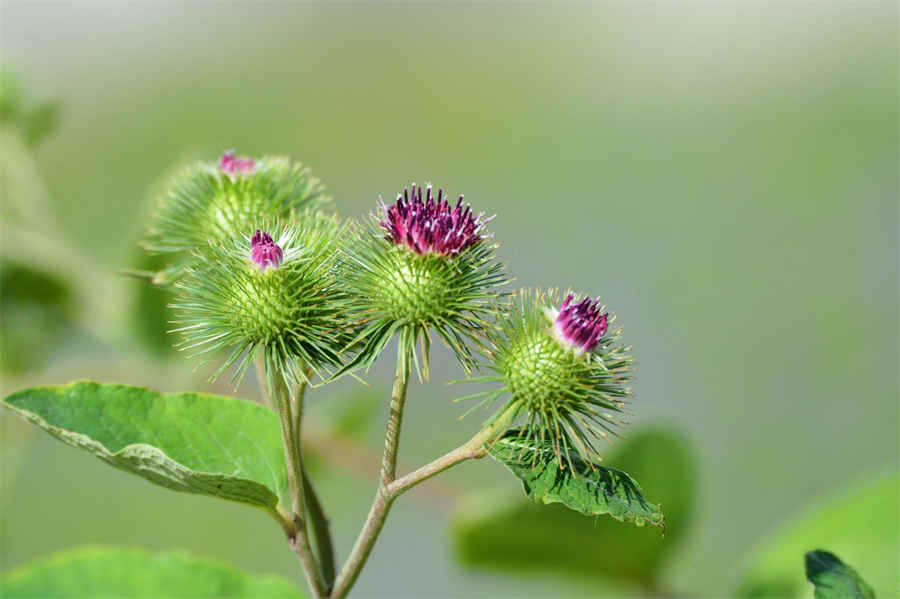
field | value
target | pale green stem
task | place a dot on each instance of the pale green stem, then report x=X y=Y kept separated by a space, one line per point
x=395 y=422
x=300 y=539
x=477 y=447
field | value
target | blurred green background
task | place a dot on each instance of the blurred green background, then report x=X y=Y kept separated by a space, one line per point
x=725 y=175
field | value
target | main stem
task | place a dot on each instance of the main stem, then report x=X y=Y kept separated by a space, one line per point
x=299 y=540
x=476 y=447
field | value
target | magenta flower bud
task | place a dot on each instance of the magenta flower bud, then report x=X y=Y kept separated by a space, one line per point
x=232 y=165
x=265 y=252
x=431 y=226
x=581 y=325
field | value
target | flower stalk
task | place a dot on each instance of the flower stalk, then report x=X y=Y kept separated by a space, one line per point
x=299 y=539
x=475 y=448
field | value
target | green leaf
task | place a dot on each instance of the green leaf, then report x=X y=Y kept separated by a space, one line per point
x=190 y=442
x=150 y=313
x=591 y=489
x=834 y=579
x=37 y=309
x=859 y=522
x=113 y=572
x=514 y=534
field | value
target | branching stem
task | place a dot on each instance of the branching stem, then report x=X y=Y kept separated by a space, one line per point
x=477 y=447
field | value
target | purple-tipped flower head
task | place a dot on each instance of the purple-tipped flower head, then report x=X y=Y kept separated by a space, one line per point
x=265 y=252
x=581 y=325
x=431 y=226
x=232 y=165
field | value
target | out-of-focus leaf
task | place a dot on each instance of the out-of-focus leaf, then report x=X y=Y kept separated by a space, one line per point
x=591 y=489
x=10 y=96
x=150 y=315
x=35 y=309
x=860 y=523
x=40 y=122
x=357 y=413
x=189 y=442
x=518 y=535
x=113 y=572
x=33 y=124
x=834 y=579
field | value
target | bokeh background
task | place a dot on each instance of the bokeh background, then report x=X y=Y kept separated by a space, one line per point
x=724 y=174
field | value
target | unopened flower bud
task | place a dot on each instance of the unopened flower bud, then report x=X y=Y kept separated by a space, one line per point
x=265 y=252
x=423 y=265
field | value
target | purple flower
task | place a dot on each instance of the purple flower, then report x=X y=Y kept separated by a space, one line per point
x=431 y=226
x=265 y=252
x=581 y=325
x=232 y=165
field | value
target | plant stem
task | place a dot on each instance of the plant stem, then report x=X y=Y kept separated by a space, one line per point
x=314 y=510
x=321 y=532
x=300 y=539
x=382 y=502
x=395 y=422
x=476 y=447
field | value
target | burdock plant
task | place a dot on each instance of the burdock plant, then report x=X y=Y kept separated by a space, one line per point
x=263 y=275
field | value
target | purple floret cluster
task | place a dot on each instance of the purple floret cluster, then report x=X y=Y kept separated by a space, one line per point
x=265 y=252
x=581 y=325
x=232 y=165
x=431 y=226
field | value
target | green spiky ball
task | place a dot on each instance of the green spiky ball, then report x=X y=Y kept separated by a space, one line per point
x=292 y=313
x=204 y=204
x=568 y=397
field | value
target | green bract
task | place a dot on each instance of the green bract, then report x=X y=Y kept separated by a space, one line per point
x=204 y=203
x=570 y=399
x=291 y=312
x=393 y=289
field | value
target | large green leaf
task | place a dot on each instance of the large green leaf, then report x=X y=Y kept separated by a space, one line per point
x=515 y=534
x=859 y=522
x=190 y=442
x=834 y=579
x=591 y=489
x=112 y=572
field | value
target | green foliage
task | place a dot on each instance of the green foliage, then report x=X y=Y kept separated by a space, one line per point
x=113 y=572
x=588 y=488
x=35 y=309
x=356 y=413
x=834 y=579
x=522 y=536
x=859 y=523
x=150 y=313
x=189 y=442
x=34 y=123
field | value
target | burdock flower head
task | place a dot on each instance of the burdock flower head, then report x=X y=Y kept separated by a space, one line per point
x=562 y=367
x=220 y=202
x=274 y=293
x=422 y=265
